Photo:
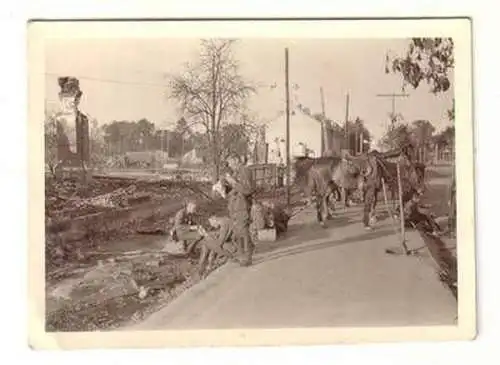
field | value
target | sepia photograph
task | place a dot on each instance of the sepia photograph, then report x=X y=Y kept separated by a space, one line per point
x=239 y=177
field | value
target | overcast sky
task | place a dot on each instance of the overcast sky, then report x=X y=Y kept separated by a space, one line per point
x=125 y=79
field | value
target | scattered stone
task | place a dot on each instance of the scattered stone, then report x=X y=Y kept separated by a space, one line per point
x=143 y=292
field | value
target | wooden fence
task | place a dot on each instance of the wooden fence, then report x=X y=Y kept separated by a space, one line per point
x=267 y=177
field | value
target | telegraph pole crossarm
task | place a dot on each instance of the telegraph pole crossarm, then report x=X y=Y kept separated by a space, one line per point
x=393 y=97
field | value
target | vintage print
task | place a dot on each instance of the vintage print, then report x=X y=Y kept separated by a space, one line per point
x=243 y=181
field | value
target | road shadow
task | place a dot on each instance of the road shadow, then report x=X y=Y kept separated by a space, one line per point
x=296 y=235
x=437 y=196
x=439 y=172
x=280 y=252
x=305 y=231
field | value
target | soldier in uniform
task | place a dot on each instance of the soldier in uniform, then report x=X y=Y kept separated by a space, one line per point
x=370 y=185
x=280 y=216
x=213 y=243
x=239 y=205
x=419 y=216
x=268 y=215
x=185 y=227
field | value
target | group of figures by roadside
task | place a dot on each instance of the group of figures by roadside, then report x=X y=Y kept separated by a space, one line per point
x=331 y=179
x=230 y=236
x=324 y=181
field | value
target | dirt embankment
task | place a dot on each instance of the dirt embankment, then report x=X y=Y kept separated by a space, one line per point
x=99 y=270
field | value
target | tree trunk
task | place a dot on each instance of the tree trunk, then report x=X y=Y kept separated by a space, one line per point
x=216 y=160
x=216 y=172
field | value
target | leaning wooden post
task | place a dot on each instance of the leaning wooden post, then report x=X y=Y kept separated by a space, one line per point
x=401 y=210
x=287 y=95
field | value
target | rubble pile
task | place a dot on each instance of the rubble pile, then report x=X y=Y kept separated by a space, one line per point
x=69 y=198
x=114 y=292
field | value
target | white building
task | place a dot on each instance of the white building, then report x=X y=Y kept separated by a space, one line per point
x=305 y=133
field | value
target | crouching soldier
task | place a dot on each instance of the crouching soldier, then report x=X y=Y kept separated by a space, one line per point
x=213 y=243
x=185 y=229
x=268 y=215
x=277 y=217
x=281 y=217
x=417 y=216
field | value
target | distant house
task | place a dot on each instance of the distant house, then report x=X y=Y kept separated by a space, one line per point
x=335 y=137
x=192 y=158
x=305 y=138
x=260 y=152
x=146 y=158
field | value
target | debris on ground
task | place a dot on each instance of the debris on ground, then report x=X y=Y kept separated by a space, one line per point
x=93 y=280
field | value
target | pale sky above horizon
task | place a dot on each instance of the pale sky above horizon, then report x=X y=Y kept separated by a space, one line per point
x=125 y=79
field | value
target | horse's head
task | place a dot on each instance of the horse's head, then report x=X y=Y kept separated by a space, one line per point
x=357 y=166
x=301 y=167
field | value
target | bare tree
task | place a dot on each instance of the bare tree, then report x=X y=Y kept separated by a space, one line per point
x=51 y=142
x=211 y=93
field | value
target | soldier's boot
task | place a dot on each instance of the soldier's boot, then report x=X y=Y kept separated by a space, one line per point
x=240 y=251
x=202 y=263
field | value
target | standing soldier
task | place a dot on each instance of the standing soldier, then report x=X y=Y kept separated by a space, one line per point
x=239 y=204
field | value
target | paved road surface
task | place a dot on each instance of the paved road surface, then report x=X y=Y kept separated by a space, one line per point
x=340 y=276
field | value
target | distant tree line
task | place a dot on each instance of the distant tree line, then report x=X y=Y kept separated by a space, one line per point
x=119 y=137
x=421 y=134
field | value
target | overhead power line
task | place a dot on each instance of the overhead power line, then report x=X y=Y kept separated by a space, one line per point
x=115 y=81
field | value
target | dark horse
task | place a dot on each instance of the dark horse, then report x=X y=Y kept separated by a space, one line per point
x=315 y=177
x=378 y=170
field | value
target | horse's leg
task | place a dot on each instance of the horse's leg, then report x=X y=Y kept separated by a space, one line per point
x=373 y=215
x=330 y=204
x=345 y=197
x=369 y=200
x=318 y=208
x=324 y=208
x=350 y=193
x=331 y=199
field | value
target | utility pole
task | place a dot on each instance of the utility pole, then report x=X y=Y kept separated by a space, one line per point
x=324 y=139
x=393 y=97
x=361 y=142
x=346 y=128
x=287 y=96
